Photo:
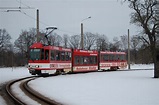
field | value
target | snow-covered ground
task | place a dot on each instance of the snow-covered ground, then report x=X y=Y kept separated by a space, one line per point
x=2 y=102
x=97 y=88
x=7 y=74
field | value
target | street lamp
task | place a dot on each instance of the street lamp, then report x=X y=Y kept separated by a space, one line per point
x=82 y=31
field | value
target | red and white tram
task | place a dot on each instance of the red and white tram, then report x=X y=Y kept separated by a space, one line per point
x=50 y=59
x=112 y=60
x=85 y=60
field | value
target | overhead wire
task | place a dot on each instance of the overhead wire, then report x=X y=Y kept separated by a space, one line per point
x=41 y=22
x=33 y=18
x=23 y=4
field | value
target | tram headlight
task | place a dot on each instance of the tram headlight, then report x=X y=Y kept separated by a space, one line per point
x=29 y=66
x=37 y=66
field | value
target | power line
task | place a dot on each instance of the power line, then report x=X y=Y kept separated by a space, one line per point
x=19 y=9
x=33 y=18
x=23 y=4
x=68 y=31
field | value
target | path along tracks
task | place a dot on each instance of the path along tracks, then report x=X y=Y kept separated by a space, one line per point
x=22 y=94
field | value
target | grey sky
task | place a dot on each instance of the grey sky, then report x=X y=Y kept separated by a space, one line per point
x=109 y=17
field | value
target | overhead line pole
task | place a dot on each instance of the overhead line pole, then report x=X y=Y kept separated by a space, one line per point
x=37 y=25
x=18 y=9
x=128 y=50
x=82 y=35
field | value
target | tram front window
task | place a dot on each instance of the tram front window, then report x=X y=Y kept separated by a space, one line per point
x=35 y=54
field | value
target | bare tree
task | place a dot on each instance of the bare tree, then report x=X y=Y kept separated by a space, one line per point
x=24 y=41
x=55 y=39
x=115 y=45
x=102 y=43
x=135 y=41
x=144 y=16
x=89 y=40
x=74 y=41
x=124 y=41
x=65 y=40
x=5 y=46
x=4 y=39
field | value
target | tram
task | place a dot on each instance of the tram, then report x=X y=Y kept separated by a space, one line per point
x=47 y=59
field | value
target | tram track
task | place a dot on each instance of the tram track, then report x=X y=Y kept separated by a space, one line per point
x=30 y=94
x=39 y=99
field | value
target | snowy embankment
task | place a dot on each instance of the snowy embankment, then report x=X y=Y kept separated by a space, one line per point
x=98 y=88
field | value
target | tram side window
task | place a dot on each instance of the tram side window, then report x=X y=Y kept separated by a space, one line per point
x=85 y=60
x=77 y=60
x=81 y=60
x=63 y=56
x=105 y=57
x=52 y=55
x=120 y=57
x=68 y=56
x=46 y=54
x=123 y=57
x=110 y=57
x=114 y=57
x=117 y=57
x=42 y=54
x=58 y=55
x=93 y=60
x=102 y=58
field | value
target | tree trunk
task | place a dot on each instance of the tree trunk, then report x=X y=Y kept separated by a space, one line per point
x=156 y=64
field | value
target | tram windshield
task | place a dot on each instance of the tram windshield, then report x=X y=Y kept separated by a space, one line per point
x=35 y=54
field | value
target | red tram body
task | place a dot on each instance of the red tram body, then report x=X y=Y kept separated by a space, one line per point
x=112 y=60
x=50 y=59
x=84 y=60
x=47 y=59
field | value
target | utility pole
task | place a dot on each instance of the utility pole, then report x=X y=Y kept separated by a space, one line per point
x=37 y=27
x=128 y=50
x=81 y=35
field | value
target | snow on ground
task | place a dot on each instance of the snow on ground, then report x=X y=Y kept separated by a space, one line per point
x=7 y=74
x=22 y=96
x=99 y=88
x=2 y=102
x=102 y=88
x=141 y=66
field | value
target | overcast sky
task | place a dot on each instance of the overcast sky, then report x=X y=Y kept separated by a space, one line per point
x=108 y=17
